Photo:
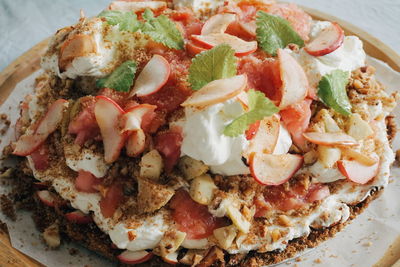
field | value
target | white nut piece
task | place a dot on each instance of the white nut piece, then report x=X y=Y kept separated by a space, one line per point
x=151 y=165
x=51 y=236
x=238 y=219
x=171 y=241
x=330 y=124
x=192 y=168
x=225 y=235
x=202 y=189
x=359 y=129
x=328 y=155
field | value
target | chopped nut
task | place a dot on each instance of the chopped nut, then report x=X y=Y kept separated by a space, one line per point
x=225 y=235
x=358 y=84
x=202 y=189
x=52 y=236
x=7 y=173
x=151 y=165
x=310 y=157
x=152 y=196
x=171 y=241
x=275 y=234
x=192 y=168
x=283 y=220
x=238 y=219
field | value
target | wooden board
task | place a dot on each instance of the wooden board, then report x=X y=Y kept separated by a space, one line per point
x=29 y=62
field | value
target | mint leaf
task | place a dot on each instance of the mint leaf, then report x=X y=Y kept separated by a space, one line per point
x=274 y=32
x=332 y=91
x=162 y=30
x=121 y=79
x=259 y=108
x=214 y=64
x=126 y=21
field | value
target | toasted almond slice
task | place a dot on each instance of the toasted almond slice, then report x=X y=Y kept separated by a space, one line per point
x=330 y=139
x=216 y=92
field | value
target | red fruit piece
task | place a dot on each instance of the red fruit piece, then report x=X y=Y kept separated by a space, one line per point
x=169 y=145
x=78 y=217
x=192 y=218
x=112 y=199
x=40 y=158
x=296 y=119
x=358 y=172
x=86 y=182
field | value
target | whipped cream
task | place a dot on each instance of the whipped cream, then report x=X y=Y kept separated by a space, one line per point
x=203 y=138
x=87 y=161
x=348 y=57
x=199 y=5
x=107 y=39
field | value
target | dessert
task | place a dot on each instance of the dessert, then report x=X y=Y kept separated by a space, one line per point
x=205 y=133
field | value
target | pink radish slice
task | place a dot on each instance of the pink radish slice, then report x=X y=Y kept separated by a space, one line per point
x=358 y=172
x=136 y=143
x=330 y=139
x=240 y=46
x=26 y=144
x=152 y=78
x=217 y=91
x=294 y=80
x=132 y=119
x=327 y=41
x=134 y=257
x=218 y=23
x=268 y=169
x=46 y=197
x=107 y=114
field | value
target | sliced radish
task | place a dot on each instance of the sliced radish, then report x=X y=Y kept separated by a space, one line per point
x=78 y=217
x=193 y=49
x=268 y=169
x=327 y=41
x=136 y=143
x=266 y=137
x=137 y=6
x=330 y=139
x=240 y=46
x=294 y=80
x=152 y=78
x=218 y=23
x=171 y=258
x=46 y=197
x=244 y=100
x=26 y=144
x=107 y=114
x=134 y=257
x=133 y=118
x=217 y=91
x=358 y=172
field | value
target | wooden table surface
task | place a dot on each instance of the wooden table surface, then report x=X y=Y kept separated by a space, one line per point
x=29 y=62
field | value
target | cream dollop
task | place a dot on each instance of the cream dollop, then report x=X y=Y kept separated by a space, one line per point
x=348 y=57
x=203 y=138
x=199 y=5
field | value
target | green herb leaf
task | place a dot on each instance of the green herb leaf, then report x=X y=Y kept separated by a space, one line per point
x=259 y=108
x=274 y=32
x=121 y=79
x=214 y=64
x=332 y=91
x=162 y=30
x=127 y=21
